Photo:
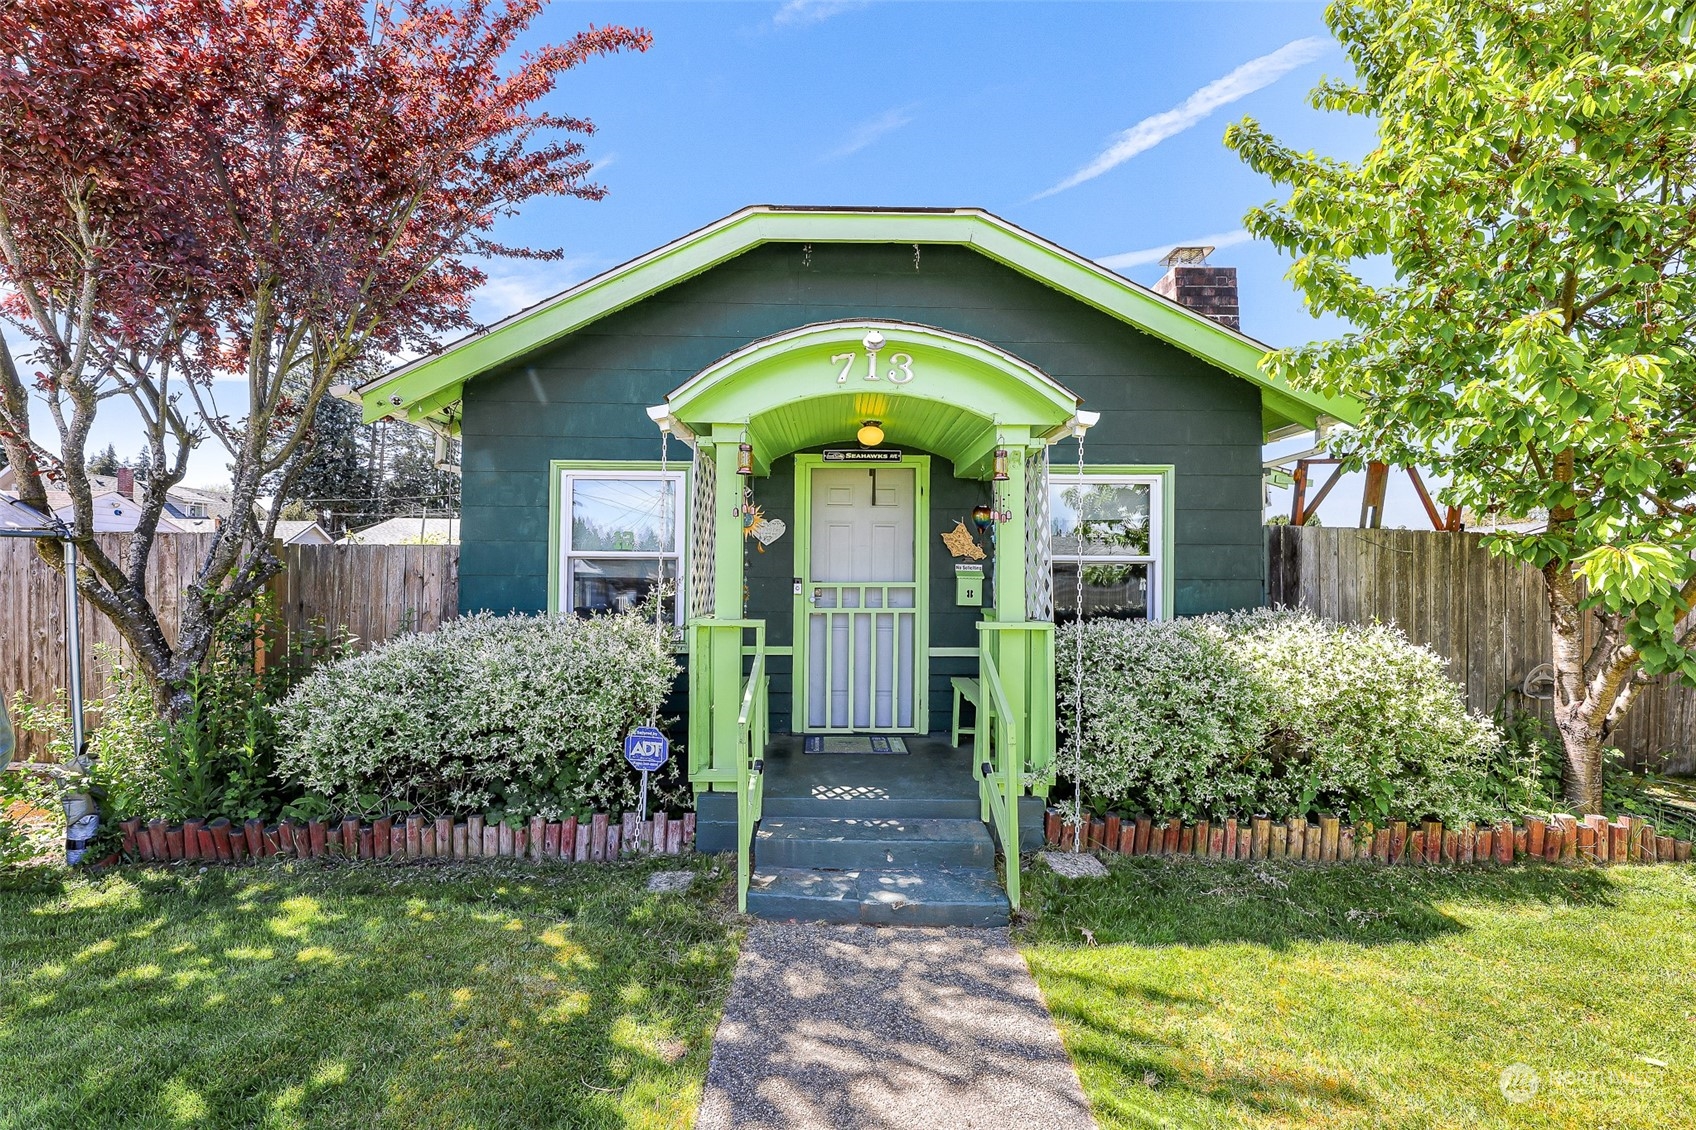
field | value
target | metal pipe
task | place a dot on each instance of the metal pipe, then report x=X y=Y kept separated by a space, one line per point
x=73 y=633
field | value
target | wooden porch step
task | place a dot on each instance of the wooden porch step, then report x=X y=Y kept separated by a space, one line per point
x=885 y=897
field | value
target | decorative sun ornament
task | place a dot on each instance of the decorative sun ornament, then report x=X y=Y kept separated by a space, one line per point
x=761 y=529
x=961 y=543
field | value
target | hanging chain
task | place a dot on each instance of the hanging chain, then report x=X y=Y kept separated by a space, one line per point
x=666 y=494
x=1078 y=671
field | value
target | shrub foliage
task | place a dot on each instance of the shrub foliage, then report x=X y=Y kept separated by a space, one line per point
x=522 y=715
x=1282 y=713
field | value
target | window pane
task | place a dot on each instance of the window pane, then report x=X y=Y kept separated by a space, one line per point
x=618 y=584
x=1111 y=591
x=1109 y=518
x=635 y=515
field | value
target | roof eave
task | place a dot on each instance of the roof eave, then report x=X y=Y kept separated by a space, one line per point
x=424 y=391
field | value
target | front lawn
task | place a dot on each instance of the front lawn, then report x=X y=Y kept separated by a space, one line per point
x=1269 y=995
x=297 y=995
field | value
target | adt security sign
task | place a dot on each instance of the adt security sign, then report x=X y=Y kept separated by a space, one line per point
x=646 y=749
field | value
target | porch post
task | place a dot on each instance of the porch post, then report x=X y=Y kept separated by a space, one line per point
x=725 y=679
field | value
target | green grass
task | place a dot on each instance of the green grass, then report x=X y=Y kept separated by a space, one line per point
x=371 y=995
x=1259 y=995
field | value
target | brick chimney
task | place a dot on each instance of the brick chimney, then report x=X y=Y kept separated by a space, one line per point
x=126 y=483
x=1209 y=291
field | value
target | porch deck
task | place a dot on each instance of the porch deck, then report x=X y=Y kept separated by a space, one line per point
x=934 y=779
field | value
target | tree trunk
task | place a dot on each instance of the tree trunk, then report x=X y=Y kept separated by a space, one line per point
x=1577 y=717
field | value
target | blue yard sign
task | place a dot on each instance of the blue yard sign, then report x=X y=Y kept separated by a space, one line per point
x=646 y=749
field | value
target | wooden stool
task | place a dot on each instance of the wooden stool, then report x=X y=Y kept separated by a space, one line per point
x=967 y=689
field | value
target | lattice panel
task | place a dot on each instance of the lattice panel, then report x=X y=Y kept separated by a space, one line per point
x=1039 y=558
x=701 y=536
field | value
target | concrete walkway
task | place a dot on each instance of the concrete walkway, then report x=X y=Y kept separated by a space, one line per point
x=851 y=1027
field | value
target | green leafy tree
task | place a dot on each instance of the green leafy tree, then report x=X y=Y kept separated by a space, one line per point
x=106 y=463
x=1533 y=187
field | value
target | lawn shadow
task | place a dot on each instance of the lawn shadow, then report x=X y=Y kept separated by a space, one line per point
x=1154 y=902
x=309 y=995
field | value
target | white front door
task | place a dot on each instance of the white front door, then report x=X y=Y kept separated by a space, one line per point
x=862 y=599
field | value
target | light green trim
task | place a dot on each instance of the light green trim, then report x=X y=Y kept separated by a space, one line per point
x=555 y=514
x=725 y=239
x=804 y=465
x=772 y=649
x=1168 y=475
x=792 y=391
x=953 y=653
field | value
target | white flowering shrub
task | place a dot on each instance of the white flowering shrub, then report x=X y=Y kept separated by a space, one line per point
x=1277 y=712
x=524 y=715
x=1172 y=724
x=1366 y=723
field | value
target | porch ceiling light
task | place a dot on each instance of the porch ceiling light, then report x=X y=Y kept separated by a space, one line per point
x=871 y=433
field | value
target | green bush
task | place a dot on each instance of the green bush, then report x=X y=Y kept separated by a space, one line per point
x=1282 y=713
x=523 y=715
x=1170 y=719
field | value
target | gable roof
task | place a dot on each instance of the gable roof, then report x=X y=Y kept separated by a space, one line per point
x=428 y=390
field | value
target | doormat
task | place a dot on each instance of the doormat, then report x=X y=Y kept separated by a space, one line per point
x=854 y=743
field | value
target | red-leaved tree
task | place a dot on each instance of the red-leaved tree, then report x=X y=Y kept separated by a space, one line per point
x=281 y=192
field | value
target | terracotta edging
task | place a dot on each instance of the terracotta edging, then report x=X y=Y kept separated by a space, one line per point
x=596 y=839
x=1562 y=839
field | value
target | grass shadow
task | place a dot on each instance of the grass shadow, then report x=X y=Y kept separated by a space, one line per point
x=302 y=995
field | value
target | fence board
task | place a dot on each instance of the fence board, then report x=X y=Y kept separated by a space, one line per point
x=377 y=590
x=1488 y=616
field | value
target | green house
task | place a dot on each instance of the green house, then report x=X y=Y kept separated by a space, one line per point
x=875 y=455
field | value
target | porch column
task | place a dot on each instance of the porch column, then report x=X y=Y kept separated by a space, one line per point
x=725 y=677
x=1010 y=535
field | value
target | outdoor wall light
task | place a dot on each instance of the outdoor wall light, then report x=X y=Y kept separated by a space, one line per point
x=744 y=459
x=1000 y=475
x=871 y=433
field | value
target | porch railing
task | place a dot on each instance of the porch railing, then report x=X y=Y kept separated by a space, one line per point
x=1000 y=769
x=753 y=727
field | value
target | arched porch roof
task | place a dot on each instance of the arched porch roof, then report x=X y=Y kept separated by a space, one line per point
x=942 y=392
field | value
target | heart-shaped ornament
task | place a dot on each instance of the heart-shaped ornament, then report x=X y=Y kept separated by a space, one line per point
x=769 y=530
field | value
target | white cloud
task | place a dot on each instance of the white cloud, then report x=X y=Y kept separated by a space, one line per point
x=799 y=13
x=1155 y=254
x=517 y=286
x=870 y=130
x=1146 y=134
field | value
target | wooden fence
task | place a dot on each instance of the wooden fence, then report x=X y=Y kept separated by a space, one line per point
x=376 y=591
x=1488 y=616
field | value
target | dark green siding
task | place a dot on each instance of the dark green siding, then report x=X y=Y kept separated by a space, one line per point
x=585 y=399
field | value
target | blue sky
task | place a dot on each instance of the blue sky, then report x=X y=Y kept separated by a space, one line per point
x=1096 y=125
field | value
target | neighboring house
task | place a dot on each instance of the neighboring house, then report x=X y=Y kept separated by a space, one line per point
x=873 y=420
x=16 y=516
x=406 y=531
x=187 y=509
x=292 y=532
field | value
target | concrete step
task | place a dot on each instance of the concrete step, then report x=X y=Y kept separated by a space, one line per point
x=868 y=804
x=896 y=842
x=888 y=897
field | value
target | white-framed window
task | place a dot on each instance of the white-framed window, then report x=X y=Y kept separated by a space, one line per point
x=1109 y=529
x=617 y=530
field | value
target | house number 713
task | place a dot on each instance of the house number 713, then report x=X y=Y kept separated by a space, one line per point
x=899 y=375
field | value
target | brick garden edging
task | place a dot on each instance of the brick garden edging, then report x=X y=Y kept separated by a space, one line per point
x=595 y=839
x=1564 y=839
